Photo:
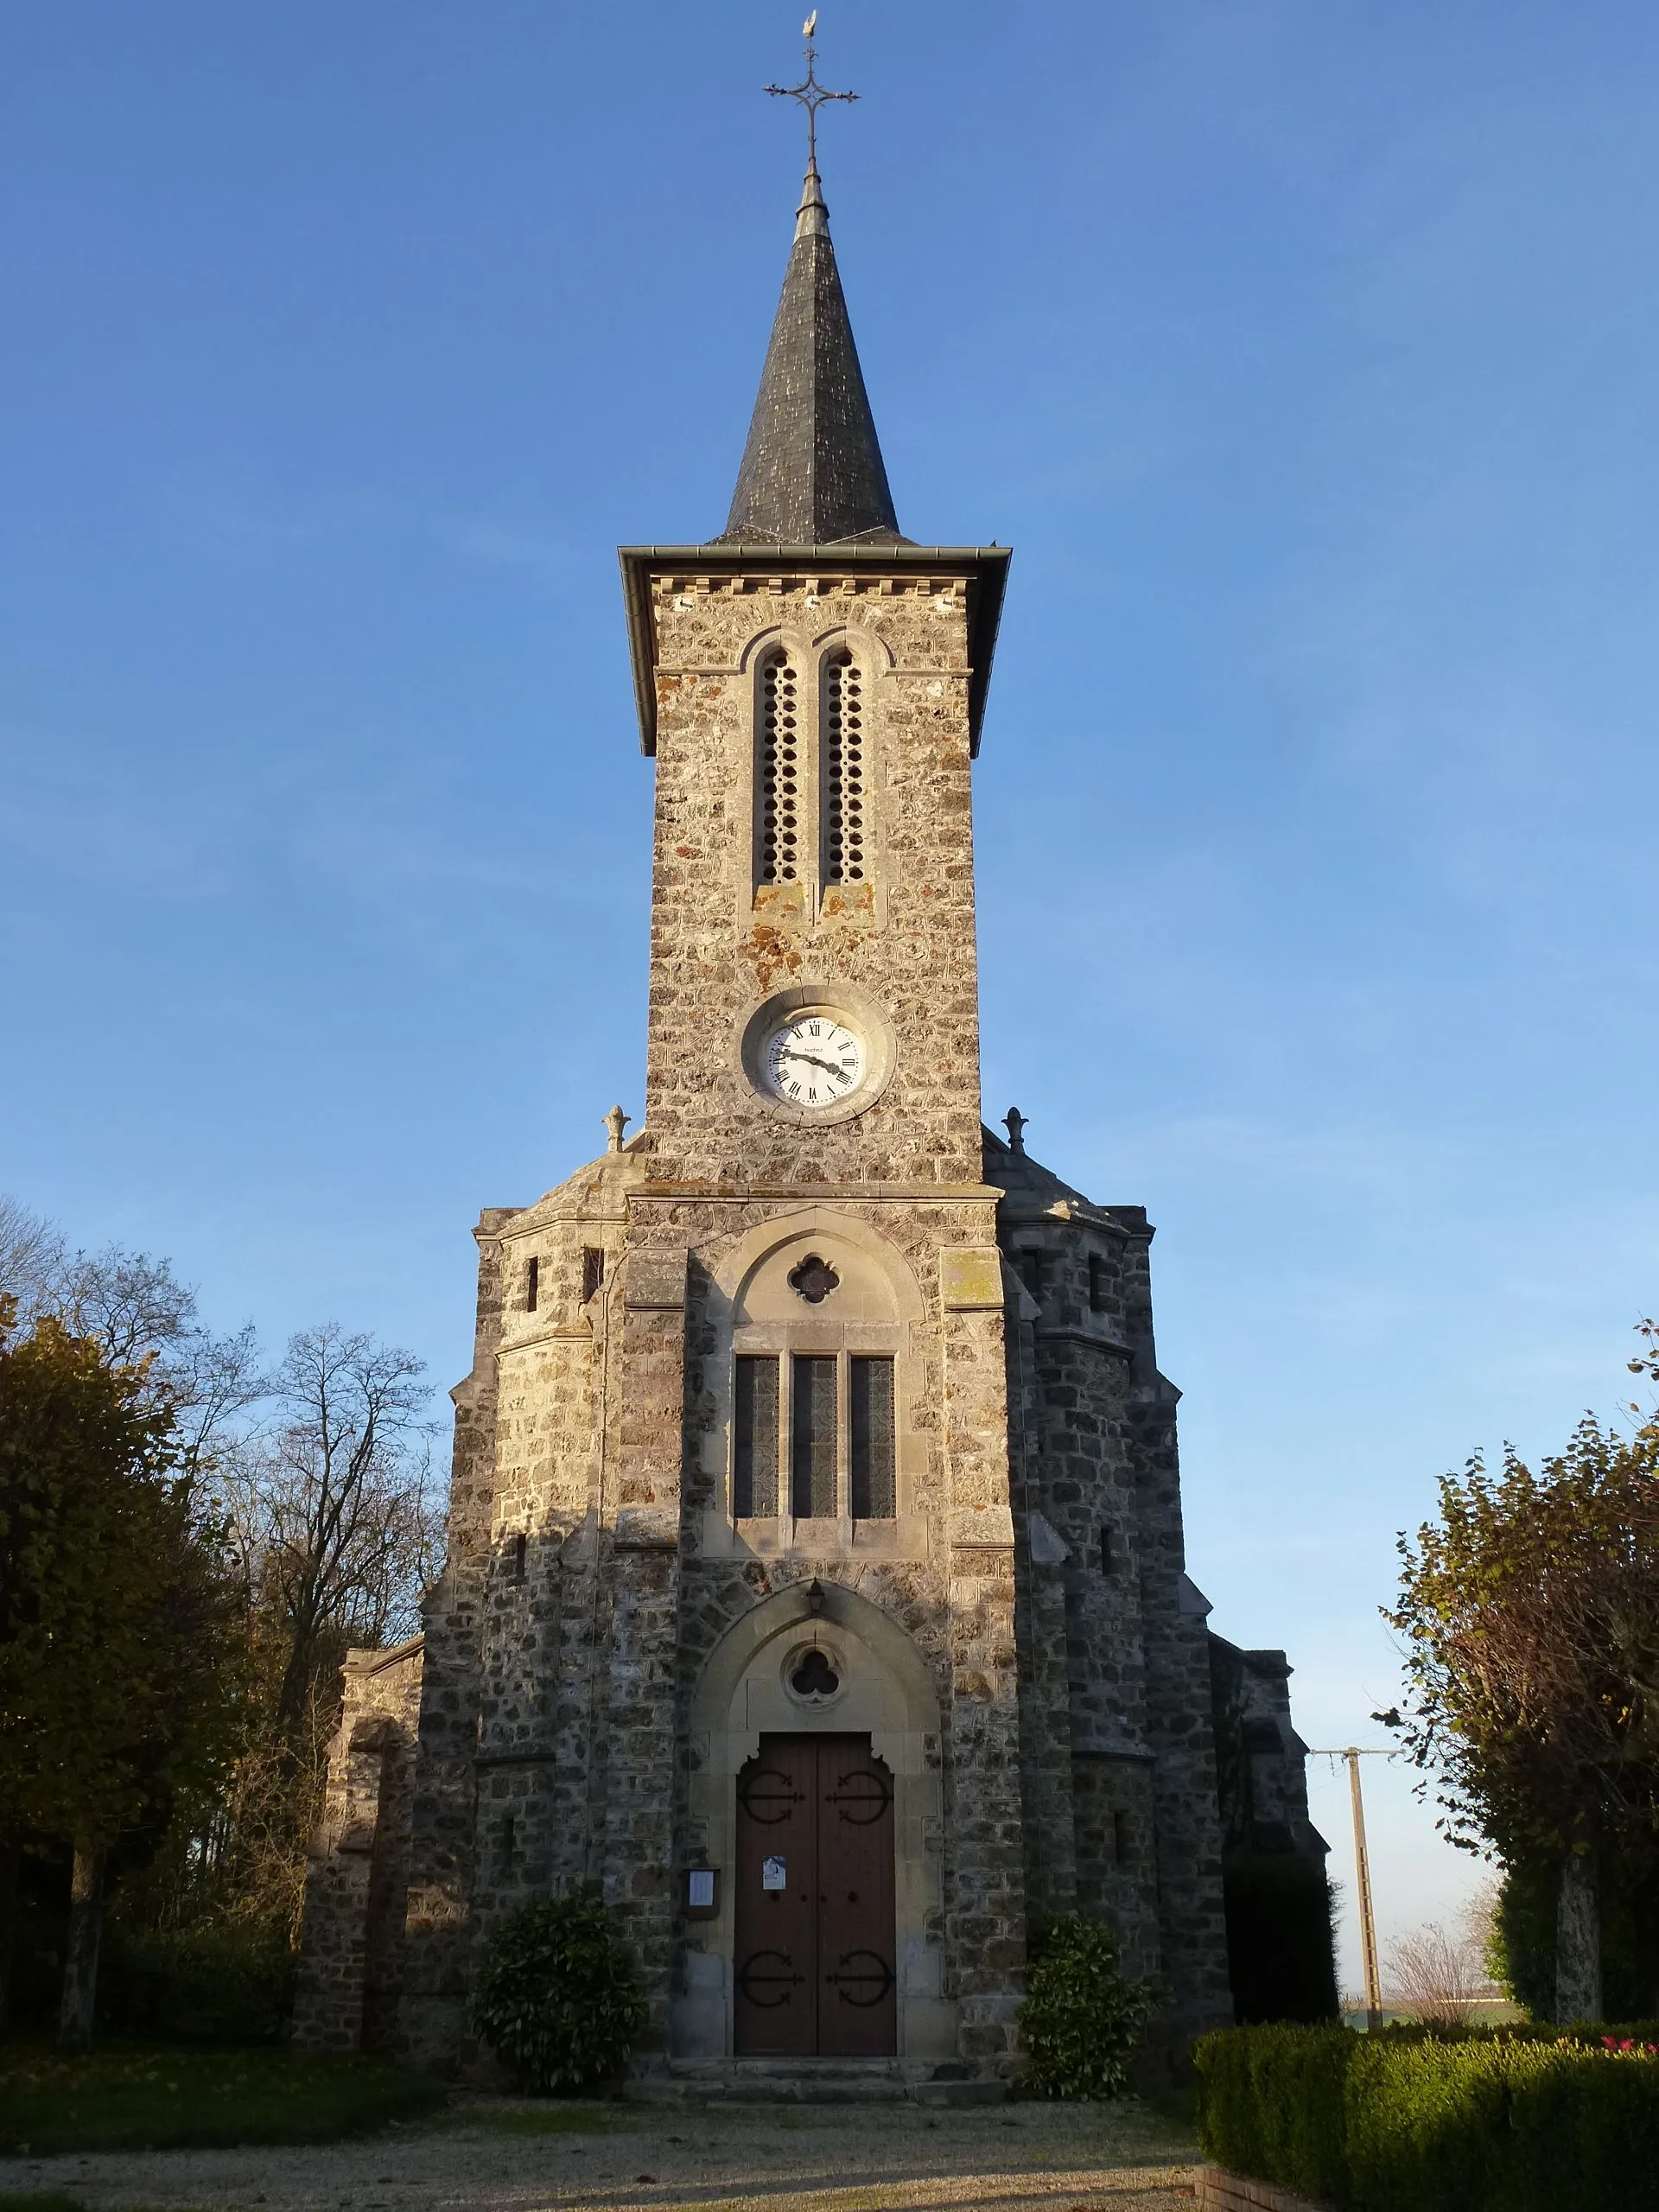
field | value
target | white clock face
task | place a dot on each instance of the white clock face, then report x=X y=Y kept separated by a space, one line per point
x=813 y=1060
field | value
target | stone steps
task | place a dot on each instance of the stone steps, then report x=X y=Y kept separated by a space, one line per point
x=811 y=2081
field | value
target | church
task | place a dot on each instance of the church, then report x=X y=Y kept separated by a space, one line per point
x=815 y=1583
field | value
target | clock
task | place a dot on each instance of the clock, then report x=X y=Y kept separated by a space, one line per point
x=818 y=1051
x=813 y=1060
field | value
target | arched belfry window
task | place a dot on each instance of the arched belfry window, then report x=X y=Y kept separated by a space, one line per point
x=841 y=808
x=778 y=777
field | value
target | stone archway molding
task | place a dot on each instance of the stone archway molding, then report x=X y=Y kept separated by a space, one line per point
x=888 y=1690
x=790 y=1225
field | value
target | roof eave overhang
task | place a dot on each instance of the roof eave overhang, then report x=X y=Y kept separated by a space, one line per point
x=987 y=564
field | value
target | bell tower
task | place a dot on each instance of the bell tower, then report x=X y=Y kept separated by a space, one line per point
x=815 y=1587
x=811 y=683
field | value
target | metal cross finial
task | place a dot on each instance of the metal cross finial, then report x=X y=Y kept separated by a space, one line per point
x=809 y=92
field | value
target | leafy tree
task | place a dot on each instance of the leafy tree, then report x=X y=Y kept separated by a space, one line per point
x=1530 y=1610
x=121 y=1631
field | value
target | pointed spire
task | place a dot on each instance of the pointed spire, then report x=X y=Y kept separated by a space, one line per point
x=812 y=472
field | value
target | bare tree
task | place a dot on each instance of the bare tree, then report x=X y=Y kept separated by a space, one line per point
x=331 y=1504
x=1432 y=1977
x=1440 y=1975
x=31 y=1259
x=139 y=1311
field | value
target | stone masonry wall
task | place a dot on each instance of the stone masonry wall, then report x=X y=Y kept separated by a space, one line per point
x=905 y=936
x=351 y=1957
x=1098 y=1487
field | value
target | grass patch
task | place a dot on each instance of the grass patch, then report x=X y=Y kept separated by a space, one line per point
x=165 y=2097
x=543 y=2120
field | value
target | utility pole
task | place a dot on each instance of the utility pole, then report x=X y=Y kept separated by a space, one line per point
x=1353 y=1754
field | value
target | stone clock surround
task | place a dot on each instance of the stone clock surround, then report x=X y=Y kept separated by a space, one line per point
x=835 y=995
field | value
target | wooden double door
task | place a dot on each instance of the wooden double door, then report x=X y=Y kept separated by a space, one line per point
x=815 y=1966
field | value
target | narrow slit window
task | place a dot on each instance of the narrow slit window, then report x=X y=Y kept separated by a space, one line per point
x=812 y=1453
x=754 y=1467
x=1097 y=1283
x=509 y=1841
x=777 y=779
x=1107 y=1551
x=842 y=809
x=592 y=1270
x=872 y=1440
x=532 y=1285
x=520 y=1554
x=1123 y=1840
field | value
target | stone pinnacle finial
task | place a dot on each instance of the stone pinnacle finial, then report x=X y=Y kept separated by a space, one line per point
x=616 y=1120
x=812 y=216
x=1014 y=1121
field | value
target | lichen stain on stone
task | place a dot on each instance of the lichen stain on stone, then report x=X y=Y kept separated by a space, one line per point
x=849 y=898
x=770 y=954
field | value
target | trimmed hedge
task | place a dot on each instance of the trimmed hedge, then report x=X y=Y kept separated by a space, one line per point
x=1404 y=2121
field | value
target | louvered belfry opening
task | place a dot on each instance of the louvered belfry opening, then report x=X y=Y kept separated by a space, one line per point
x=778 y=777
x=842 y=813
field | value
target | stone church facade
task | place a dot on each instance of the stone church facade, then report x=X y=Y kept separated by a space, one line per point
x=815 y=1583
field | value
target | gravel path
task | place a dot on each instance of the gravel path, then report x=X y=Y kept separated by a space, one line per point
x=504 y=2155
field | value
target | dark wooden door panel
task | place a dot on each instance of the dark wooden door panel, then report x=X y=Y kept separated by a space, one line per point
x=858 y=2011
x=814 y=1963
x=776 y=1934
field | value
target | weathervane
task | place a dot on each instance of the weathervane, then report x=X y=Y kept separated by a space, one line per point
x=809 y=92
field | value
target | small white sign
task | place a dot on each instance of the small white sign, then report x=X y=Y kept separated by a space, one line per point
x=774 y=1875
x=699 y=1886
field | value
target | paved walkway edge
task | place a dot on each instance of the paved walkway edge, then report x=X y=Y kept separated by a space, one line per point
x=1220 y=2191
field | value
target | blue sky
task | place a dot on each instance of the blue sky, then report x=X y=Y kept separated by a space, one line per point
x=1306 y=353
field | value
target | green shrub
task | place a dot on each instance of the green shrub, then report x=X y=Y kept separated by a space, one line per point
x=1489 y=2120
x=1084 y=2016
x=227 y=1982
x=1281 y=1955
x=559 y=1998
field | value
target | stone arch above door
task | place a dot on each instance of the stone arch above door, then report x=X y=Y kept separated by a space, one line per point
x=884 y=1689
